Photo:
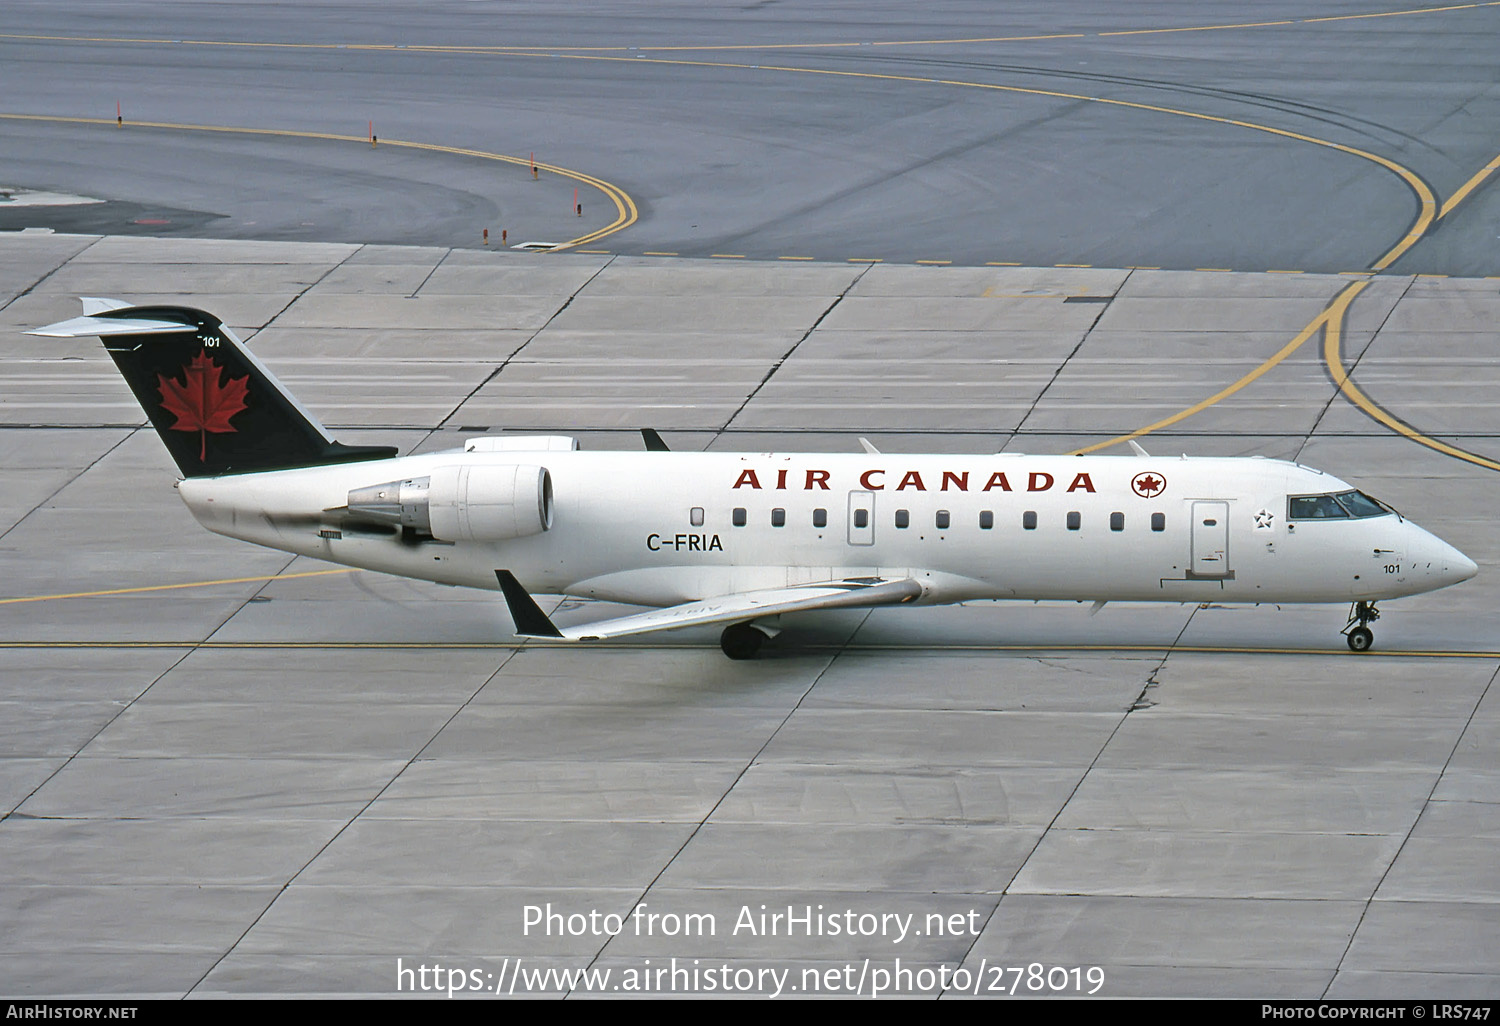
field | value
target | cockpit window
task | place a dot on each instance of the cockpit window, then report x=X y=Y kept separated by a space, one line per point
x=1361 y=505
x=1342 y=506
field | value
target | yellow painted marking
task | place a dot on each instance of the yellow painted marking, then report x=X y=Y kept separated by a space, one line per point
x=554 y=50
x=1140 y=267
x=596 y=252
x=1002 y=263
x=506 y=646
x=1397 y=14
x=1198 y=28
x=1072 y=265
x=1286 y=272
x=626 y=213
x=174 y=587
x=866 y=260
x=1333 y=359
x=1432 y=276
x=793 y=258
x=728 y=256
x=1331 y=317
x=657 y=252
x=1216 y=270
x=1468 y=187
x=936 y=263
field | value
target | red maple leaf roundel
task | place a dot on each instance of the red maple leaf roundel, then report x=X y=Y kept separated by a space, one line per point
x=202 y=399
x=1148 y=485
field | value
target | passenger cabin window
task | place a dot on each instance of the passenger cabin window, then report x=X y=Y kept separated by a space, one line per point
x=778 y=517
x=1028 y=520
x=861 y=518
x=820 y=518
x=1117 y=521
x=1158 y=521
x=738 y=518
x=986 y=519
x=1074 y=520
x=943 y=519
x=696 y=516
x=903 y=518
x=1334 y=506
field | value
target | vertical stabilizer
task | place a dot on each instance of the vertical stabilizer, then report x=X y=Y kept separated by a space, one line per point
x=217 y=409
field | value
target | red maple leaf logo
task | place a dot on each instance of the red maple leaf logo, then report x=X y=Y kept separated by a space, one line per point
x=1147 y=485
x=202 y=400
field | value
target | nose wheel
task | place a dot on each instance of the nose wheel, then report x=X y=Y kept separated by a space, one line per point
x=1356 y=631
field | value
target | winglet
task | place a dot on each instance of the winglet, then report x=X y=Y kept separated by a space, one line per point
x=531 y=622
x=1136 y=447
x=868 y=446
x=653 y=441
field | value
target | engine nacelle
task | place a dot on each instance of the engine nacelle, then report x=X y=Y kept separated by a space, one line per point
x=463 y=502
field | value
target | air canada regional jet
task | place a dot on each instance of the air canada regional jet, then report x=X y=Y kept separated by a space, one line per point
x=738 y=539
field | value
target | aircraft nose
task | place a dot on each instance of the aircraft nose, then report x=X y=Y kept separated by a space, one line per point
x=1461 y=567
x=1449 y=565
x=1439 y=563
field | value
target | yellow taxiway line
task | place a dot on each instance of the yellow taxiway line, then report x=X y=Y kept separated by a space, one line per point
x=175 y=587
x=506 y=646
x=626 y=213
x=715 y=47
x=1331 y=319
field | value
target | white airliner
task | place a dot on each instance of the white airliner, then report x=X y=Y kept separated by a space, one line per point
x=737 y=539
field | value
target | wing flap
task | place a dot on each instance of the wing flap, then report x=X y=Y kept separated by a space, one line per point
x=750 y=605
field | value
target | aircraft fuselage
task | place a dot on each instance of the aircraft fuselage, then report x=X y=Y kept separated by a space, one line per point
x=654 y=528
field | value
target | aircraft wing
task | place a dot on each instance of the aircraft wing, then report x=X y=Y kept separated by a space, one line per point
x=855 y=592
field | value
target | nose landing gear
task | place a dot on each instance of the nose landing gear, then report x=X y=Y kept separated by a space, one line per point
x=1355 y=632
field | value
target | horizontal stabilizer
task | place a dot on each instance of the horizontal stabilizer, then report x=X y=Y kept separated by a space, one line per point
x=860 y=592
x=90 y=325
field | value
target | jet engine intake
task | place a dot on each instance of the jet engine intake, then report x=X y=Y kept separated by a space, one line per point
x=463 y=502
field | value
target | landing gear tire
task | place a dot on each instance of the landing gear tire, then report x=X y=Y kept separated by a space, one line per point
x=741 y=641
x=1359 y=636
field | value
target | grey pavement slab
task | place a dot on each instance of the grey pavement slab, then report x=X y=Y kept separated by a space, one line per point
x=254 y=788
x=968 y=859
x=636 y=277
x=1175 y=932
x=724 y=315
x=482 y=853
x=419 y=346
x=1285 y=314
x=376 y=310
x=1272 y=801
x=916 y=314
x=1458 y=937
x=786 y=790
x=114 y=249
x=1440 y=985
x=423 y=915
x=1143 y=284
x=115 y=852
x=493 y=788
x=187 y=280
x=1187 y=864
x=891 y=280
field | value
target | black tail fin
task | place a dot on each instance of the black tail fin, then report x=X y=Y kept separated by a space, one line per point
x=217 y=409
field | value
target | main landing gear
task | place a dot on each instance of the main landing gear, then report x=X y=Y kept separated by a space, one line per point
x=742 y=640
x=1356 y=633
